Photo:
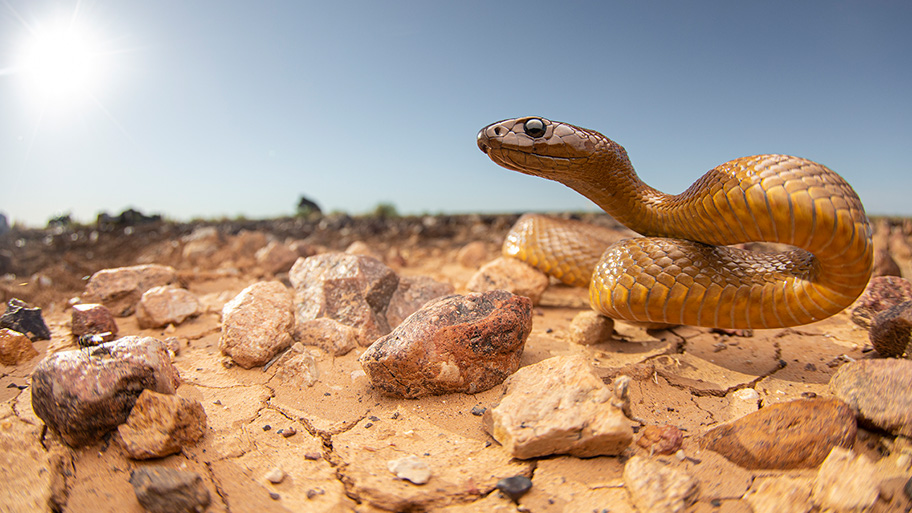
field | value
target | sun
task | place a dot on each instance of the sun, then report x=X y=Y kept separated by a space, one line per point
x=61 y=63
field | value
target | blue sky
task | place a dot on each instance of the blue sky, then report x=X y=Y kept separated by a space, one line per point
x=220 y=108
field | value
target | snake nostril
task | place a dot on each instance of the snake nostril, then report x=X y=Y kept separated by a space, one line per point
x=499 y=131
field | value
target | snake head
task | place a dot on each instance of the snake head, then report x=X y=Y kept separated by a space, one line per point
x=541 y=147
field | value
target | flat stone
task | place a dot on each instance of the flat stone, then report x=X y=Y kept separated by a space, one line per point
x=700 y=376
x=558 y=406
x=276 y=257
x=352 y=289
x=25 y=319
x=328 y=334
x=161 y=306
x=657 y=487
x=510 y=274
x=891 y=331
x=588 y=327
x=93 y=319
x=881 y=293
x=780 y=494
x=410 y=468
x=121 y=288
x=161 y=424
x=296 y=367
x=462 y=468
x=846 y=482
x=15 y=347
x=878 y=391
x=84 y=394
x=413 y=293
x=165 y=490
x=257 y=324
x=454 y=344
x=794 y=434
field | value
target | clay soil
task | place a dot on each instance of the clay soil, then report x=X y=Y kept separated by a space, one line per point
x=345 y=431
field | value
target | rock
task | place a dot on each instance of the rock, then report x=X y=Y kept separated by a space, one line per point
x=352 y=289
x=657 y=487
x=846 y=482
x=15 y=347
x=161 y=424
x=877 y=390
x=454 y=344
x=794 y=434
x=246 y=243
x=121 y=288
x=558 y=406
x=161 y=306
x=511 y=275
x=588 y=327
x=275 y=476
x=361 y=248
x=742 y=402
x=328 y=334
x=297 y=367
x=891 y=331
x=514 y=487
x=410 y=468
x=884 y=265
x=200 y=244
x=276 y=257
x=881 y=293
x=660 y=439
x=84 y=394
x=472 y=255
x=412 y=293
x=257 y=324
x=93 y=319
x=164 y=490
x=780 y=494
x=24 y=319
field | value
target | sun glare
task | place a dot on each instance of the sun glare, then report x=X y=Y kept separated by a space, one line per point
x=61 y=64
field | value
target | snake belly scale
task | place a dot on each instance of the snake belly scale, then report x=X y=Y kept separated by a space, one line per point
x=684 y=270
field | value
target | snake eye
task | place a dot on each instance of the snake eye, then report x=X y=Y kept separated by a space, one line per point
x=534 y=127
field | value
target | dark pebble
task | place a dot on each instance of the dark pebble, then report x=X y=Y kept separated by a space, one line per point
x=274 y=496
x=267 y=427
x=514 y=487
x=478 y=411
x=28 y=321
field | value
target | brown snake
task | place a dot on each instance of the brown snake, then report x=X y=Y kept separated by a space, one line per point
x=683 y=271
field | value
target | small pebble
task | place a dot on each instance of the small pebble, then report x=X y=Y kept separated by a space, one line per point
x=275 y=476
x=311 y=493
x=287 y=432
x=267 y=427
x=312 y=456
x=410 y=468
x=478 y=411
x=274 y=496
x=514 y=487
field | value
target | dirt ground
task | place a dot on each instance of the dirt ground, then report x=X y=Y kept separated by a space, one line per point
x=345 y=431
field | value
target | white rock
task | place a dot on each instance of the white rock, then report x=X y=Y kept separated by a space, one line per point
x=164 y=305
x=410 y=468
x=257 y=324
x=780 y=494
x=275 y=476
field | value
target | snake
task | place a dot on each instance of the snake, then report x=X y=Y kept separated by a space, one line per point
x=692 y=264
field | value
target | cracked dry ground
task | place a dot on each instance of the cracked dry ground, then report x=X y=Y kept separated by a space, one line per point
x=345 y=432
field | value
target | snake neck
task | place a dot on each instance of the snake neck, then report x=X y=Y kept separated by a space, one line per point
x=620 y=192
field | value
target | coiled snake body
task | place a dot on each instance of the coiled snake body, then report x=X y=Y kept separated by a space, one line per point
x=683 y=271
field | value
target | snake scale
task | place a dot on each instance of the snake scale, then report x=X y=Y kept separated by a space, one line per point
x=685 y=269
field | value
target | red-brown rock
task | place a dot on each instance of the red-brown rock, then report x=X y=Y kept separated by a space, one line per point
x=881 y=293
x=660 y=439
x=93 y=319
x=891 y=332
x=15 y=347
x=794 y=434
x=161 y=424
x=352 y=289
x=454 y=344
x=412 y=293
x=83 y=394
x=878 y=390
